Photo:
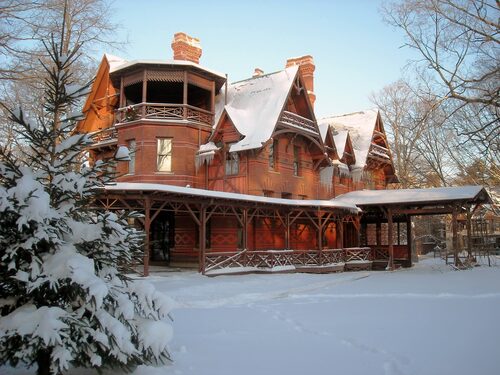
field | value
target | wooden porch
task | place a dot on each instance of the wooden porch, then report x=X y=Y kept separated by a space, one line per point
x=251 y=217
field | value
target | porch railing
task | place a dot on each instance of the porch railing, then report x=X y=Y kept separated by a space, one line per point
x=164 y=111
x=270 y=259
x=357 y=254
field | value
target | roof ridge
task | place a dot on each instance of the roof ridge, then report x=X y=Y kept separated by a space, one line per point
x=259 y=76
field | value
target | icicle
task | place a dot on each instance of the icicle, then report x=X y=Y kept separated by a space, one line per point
x=206 y=153
x=344 y=170
x=356 y=174
x=326 y=176
x=205 y=157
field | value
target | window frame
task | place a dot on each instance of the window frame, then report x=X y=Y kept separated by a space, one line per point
x=167 y=155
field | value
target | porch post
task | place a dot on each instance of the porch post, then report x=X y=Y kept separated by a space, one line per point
x=144 y=92
x=455 y=235
x=185 y=96
x=202 y=238
x=245 y=229
x=390 y=265
x=287 y=232
x=409 y=242
x=147 y=225
x=469 y=235
x=320 y=232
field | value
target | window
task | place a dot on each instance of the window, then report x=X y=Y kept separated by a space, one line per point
x=273 y=154
x=164 y=155
x=286 y=195
x=296 y=161
x=131 y=151
x=232 y=163
x=268 y=193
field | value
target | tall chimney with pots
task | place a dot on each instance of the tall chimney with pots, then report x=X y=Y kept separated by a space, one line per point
x=186 y=48
x=306 y=67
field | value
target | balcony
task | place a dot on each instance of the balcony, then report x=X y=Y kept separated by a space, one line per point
x=164 y=112
x=293 y=120
x=104 y=138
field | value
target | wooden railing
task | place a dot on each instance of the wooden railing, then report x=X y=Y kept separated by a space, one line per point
x=318 y=258
x=162 y=111
x=356 y=254
x=380 y=253
x=293 y=119
x=270 y=259
x=104 y=136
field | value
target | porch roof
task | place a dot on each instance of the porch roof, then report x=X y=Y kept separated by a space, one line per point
x=221 y=195
x=417 y=197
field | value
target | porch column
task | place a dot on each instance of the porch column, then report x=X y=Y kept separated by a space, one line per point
x=287 y=232
x=245 y=229
x=185 y=96
x=454 y=228
x=147 y=225
x=122 y=93
x=469 y=234
x=409 y=242
x=390 y=239
x=144 y=92
x=320 y=233
x=202 y=238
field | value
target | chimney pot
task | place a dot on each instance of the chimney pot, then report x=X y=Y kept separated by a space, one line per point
x=186 y=47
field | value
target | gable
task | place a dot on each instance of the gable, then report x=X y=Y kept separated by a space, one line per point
x=101 y=101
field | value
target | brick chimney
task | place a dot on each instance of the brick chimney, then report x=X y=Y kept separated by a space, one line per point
x=186 y=48
x=306 y=68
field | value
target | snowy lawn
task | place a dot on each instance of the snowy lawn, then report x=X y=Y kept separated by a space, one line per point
x=425 y=320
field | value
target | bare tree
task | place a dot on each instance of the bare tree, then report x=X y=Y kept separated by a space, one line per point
x=459 y=40
x=24 y=24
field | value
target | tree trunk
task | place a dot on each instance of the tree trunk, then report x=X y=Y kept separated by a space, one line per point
x=43 y=362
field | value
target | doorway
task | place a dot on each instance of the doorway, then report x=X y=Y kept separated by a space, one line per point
x=162 y=237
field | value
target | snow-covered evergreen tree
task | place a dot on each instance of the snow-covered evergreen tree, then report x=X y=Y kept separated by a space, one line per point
x=64 y=297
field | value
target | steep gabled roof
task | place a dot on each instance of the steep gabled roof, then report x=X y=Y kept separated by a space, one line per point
x=114 y=62
x=360 y=126
x=254 y=106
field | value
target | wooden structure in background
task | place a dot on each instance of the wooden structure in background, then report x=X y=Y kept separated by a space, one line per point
x=396 y=207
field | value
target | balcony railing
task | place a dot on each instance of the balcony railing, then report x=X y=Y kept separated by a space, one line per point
x=289 y=118
x=379 y=151
x=105 y=136
x=162 y=111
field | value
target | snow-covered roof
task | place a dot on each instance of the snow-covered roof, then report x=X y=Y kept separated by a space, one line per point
x=128 y=64
x=114 y=61
x=133 y=186
x=254 y=106
x=360 y=126
x=414 y=196
x=340 y=139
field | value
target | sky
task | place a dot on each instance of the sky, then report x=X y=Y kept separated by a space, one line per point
x=355 y=52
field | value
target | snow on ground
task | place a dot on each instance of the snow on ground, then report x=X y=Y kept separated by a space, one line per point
x=425 y=320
